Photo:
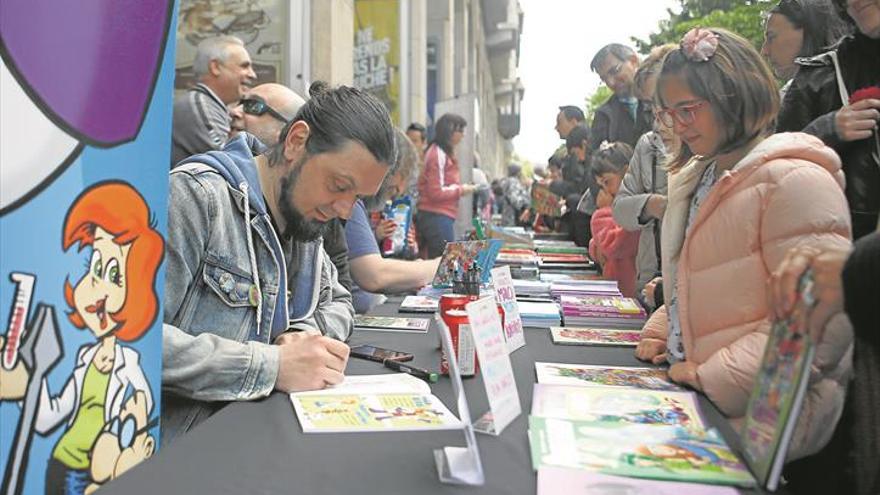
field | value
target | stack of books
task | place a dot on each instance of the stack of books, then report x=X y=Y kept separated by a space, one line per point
x=531 y=289
x=539 y=314
x=523 y=261
x=602 y=311
x=584 y=288
x=629 y=422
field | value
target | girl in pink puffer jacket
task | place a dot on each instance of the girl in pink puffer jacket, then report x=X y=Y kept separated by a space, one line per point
x=739 y=199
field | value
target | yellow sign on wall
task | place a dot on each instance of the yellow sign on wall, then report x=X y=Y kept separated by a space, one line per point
x=377 y=51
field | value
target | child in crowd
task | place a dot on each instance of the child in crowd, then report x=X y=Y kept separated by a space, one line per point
x=611 y=246
x=739 y=199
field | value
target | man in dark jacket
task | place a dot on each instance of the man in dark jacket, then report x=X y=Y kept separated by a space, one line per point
x=201 y=115
x=623 y=117
x=814 y=104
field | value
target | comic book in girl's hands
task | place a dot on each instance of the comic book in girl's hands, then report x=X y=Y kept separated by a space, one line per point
x=594 y=336
x=545 y=202
x=779 y=390
x=586 y=375
x=391 y=324
x=618 y=407
x=388 y=402
x=459 y=257
x=636 y=450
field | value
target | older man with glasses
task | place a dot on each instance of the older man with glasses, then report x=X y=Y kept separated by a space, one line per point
x=264 y=110
x=623 y=118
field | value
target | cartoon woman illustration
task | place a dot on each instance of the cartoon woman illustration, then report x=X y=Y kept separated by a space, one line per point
x=115 y=300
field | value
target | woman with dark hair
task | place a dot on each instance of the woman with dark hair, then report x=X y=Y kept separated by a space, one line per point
x=440 y=186
x=799 y=28
x=836 y=97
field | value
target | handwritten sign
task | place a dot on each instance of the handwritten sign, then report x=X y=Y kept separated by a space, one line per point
x=495 y=366
x=506 y=297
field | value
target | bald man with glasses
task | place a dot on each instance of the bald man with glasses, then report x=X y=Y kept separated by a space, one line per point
x=263 y=111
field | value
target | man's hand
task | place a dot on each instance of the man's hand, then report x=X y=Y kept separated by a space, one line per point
x=467 y=189
x=384 y=229
x=856 y=121
x=827 y=265
x=655 y=207
x=685 y=373
x=653 y=350
x=309 y=362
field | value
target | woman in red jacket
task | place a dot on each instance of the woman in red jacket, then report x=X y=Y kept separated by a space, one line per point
x=440 y=186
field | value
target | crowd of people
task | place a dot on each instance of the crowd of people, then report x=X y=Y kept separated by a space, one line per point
x=703 y=188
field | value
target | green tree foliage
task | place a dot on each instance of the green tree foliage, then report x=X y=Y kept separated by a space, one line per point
x=596 y=100
x=740 y=16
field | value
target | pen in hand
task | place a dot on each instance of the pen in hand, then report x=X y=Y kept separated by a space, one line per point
x=424 y=374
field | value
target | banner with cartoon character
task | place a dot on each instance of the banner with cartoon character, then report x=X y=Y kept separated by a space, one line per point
x=85 y=126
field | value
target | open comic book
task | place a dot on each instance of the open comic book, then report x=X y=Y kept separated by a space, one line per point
x=778 y=393
x=460 y=255
x=389 y=402
x=637 y=450
x=604 y=376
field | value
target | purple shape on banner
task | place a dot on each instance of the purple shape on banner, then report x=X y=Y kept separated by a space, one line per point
x=91 y=63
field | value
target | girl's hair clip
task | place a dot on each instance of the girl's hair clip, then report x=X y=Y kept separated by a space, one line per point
x=699 y=44
x=605 y=145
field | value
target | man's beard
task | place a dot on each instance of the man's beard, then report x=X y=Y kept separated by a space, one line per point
x=297 y=227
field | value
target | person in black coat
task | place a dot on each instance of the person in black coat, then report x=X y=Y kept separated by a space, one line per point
x=818 y=104
x=623 y=118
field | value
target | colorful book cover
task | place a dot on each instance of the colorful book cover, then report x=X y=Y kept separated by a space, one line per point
x=616 y=407
x=604 y=376
x=778 y=394
x=554 y=480
x=545 y=202
x=419 y=304
x=460 y=255
x=391 y=324
x=601 y=305
x=392 y=402
x=641 y=451
x=595 y=336
x=83 y=216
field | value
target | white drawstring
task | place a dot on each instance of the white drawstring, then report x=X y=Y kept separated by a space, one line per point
x=251 y=253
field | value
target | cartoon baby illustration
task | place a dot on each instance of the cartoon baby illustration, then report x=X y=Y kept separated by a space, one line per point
x=116 y=301
x=124 y=442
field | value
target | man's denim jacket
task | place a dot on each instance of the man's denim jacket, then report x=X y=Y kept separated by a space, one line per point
x=213 y=349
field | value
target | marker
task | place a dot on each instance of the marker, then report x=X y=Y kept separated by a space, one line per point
x=424 y=374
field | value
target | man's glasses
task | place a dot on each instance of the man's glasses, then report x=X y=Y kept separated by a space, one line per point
x=126 y=430
x=253 y=105
x=613 y=71
x=684 y=114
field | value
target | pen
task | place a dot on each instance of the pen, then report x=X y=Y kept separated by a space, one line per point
x=424 y=374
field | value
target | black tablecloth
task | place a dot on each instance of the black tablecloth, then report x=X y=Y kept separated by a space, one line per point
x=259 y=447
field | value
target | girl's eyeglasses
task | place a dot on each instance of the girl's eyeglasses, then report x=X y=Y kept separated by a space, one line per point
x=684 y=114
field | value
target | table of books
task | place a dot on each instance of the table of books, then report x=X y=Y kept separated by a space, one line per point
x=259 y=447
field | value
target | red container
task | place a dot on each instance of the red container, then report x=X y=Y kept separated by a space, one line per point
x=452 y=310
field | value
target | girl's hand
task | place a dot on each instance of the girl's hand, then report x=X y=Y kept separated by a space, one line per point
x=603 y=199
x=653 y=350
x=685 y=373
x=648 y=291
x=384 y=229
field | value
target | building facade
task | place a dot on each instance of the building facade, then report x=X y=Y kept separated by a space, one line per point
x=438 y=54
